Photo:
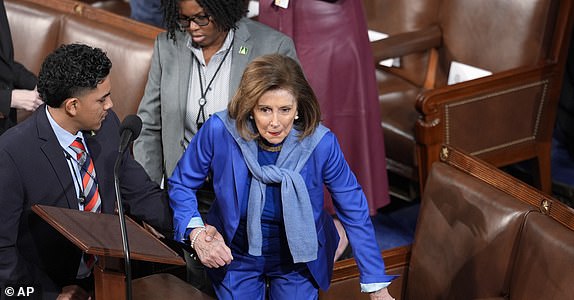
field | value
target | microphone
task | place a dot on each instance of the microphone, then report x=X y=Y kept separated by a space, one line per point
x=129 y=130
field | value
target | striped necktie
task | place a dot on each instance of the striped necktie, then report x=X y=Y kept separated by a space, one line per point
x=91 y=196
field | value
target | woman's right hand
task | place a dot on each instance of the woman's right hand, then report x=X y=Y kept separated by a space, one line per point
x=211 y=248
x=27 y=100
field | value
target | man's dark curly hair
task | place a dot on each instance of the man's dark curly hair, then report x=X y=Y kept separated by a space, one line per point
x=70 y=71
x=224 y=13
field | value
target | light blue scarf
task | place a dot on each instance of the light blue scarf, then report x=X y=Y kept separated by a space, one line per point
x=297 y=211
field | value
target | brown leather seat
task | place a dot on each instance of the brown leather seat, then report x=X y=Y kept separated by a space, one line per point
x=544 y=261
x=503 y=118
x=50 y=23
x=120 y=7
x=130 y=56
x=465 y=238
x=481 y=234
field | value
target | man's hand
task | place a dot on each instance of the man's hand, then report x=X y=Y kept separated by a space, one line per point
x=27 y=100
x=210 y=247
x=382 y=294
x=73 y=292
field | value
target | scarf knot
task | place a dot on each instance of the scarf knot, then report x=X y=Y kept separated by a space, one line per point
x=271 y=174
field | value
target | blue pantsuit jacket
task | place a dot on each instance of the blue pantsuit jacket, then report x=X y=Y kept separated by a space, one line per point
x=214 y=150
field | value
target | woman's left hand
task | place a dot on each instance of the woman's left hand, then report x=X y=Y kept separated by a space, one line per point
x=382 y=294
x=211 y=248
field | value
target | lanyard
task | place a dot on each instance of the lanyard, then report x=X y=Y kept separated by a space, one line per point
x=77 y=181
x=202 y=101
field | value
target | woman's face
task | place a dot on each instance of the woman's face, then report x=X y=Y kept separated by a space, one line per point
x=274 y=115
x=205 y=36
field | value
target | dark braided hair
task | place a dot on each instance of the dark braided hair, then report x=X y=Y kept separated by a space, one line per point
x=224 y=13
x=70 y=71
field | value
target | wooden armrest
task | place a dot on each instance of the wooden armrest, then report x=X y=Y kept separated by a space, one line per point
x=429 y=100
x=406 y=43
x=490 y=106
x=345 y=281
x=395 y=259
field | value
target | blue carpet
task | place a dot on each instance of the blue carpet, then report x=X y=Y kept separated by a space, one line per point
x=395 y=223
x=562 y=164
x=562 y=171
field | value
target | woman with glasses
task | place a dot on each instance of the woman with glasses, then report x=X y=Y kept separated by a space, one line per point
x=195 y=69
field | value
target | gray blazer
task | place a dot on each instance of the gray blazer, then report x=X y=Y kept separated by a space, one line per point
x=163 y=106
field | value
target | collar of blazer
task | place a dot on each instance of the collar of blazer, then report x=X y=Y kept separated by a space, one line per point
x=52 y=150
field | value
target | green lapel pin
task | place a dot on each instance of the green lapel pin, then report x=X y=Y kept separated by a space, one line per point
x=243 y=50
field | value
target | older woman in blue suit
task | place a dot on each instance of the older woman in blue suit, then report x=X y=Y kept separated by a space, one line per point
x=269 y=158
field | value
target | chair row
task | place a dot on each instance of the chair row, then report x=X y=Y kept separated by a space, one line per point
x=483 y=76
x=481 y=234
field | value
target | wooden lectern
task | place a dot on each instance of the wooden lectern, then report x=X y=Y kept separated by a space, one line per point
x=100 y=235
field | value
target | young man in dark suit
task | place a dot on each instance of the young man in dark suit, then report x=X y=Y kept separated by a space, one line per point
x=17 y=84
x=43 y=161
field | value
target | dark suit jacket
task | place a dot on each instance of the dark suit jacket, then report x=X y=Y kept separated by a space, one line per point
x=34 y=170
x=12 y=74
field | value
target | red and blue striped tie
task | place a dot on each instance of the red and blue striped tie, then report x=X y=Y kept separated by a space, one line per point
x=92 y=201
x=91 y=195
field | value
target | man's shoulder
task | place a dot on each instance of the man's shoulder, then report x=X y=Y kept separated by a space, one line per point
x=19 y=136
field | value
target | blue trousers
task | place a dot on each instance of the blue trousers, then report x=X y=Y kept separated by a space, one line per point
x=250 y=277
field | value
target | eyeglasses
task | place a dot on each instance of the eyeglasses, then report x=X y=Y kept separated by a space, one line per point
x=185 y=21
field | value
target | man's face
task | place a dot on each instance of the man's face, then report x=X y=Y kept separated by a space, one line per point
x=205 y=36
x=92 y=107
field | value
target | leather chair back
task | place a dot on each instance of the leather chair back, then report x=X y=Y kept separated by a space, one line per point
x=130 y=55
x=35 y=31
x=465 y=238
x=495 y=35
x=481 y=234
x=545 y=261
x=392 y=17
x=40 y=26
x=503 y=118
